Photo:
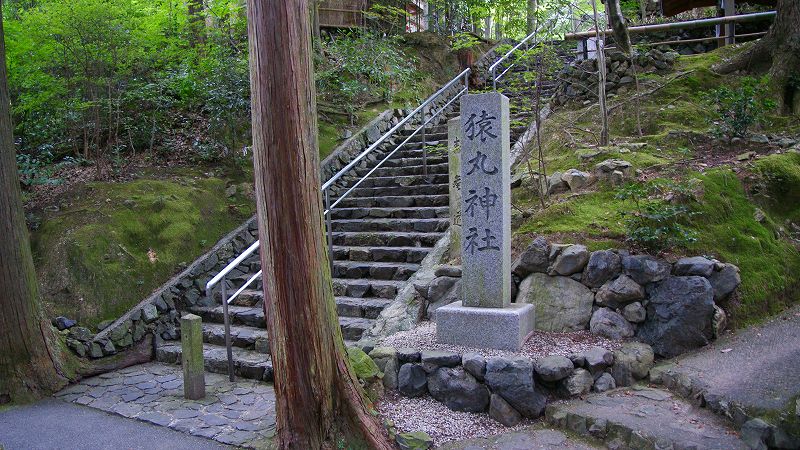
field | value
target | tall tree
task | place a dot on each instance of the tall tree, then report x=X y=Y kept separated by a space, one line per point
x=618 y=26
x=319 y=401
x=27 y=367
x=778 y=54
x=531 y=16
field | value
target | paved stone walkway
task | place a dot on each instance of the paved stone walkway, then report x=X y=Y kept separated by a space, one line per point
x=240 y=413
x=755 y=370
x=52 y=424
x=532 y=438
x=641 y=418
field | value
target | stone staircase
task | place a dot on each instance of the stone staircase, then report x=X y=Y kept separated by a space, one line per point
x=381 y=233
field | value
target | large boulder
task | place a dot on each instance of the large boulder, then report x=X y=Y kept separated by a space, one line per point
x=458 y=390
x=725 y=281
x=619 y=292
x=512 y=379
x=553 y=368
x=579 y=383
x=555 y=185
x=603 y=265
x=645 y=269
x=576 y=179
x=680 y=315
x=412 y=380
x=610 y=324
x=502 y=412
x=571 y=260
x=696 y=265
x=561 y=303
x=597 y=359
x=535 y=258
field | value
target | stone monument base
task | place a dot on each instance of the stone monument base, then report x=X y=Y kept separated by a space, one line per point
x=498 y=328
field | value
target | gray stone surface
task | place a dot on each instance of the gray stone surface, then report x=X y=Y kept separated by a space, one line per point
x=475 y=365
x=632 y=362
x=498 y=328
x=440 y=358
x=603 y=266
x=725 y=281
x=645 y=269
x=605 y=382
x=153 y=393
x=644 y=418
x=561 y=304
x=454 y=180
x=695 y=265
x=634 y=312
x=576 y=179
x=579 y=383
x=571 y=260
x=512 y=379
x=502 y=412
x=412 y=380
x=458 y=390
x=610 y=324
x=619 y=292
x=53 y=424
x=680 y=311
x=535 y=258
x=529 y=438
x=486 y=200
x=757 y=376
x=553 y=368
x=598 y=359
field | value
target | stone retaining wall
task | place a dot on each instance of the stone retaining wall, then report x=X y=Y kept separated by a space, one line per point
x=612 y=293
x=509 y=389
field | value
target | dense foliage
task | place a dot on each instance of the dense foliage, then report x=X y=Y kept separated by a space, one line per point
x=738 y=109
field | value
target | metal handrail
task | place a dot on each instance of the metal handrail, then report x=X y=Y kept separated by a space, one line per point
x=221 y=278
x=493 y=67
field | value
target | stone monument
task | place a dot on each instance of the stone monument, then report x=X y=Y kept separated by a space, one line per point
x=194 y=384
x=485 y=318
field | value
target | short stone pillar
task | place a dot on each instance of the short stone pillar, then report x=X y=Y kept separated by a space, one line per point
x=454 y=163
x=194 y=383
x=485 y=318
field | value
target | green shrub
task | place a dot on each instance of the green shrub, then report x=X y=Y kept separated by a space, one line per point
x=738 y=110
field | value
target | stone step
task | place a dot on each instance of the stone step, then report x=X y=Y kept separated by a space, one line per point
x=354 y=327
x=242 y=336
x=395 y=213
x=644 y=418
x=438 y=134
x=370 y=224
x=374 y=270
x=386 y=239
x=432 y=189
x=385 y=171
x=398 y=160
x=381 y=254
x=240 y=315
x=247 y=363
x=406 y=153
x=374 y=181
x=364 y=287
x=395 y=201
x=368 y=308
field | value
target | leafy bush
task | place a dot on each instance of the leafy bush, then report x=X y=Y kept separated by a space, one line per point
x=737 y=110
x=658 y=220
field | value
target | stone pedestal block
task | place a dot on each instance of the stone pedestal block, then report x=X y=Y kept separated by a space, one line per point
x=194 y=383
x=498 y=328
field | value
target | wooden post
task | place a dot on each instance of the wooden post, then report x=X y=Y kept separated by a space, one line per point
x=194 y=383
x=730 y=10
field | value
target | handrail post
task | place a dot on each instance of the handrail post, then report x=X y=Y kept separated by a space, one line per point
x=424 y=141
x=227 y=319
x=494 y=81
x=329 y=226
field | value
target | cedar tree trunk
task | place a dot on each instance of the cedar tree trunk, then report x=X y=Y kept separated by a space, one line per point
x=532 y=4
x=27 y=368
x=778 y=54
x=319 y=401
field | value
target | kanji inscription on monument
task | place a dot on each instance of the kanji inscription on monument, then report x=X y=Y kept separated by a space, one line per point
x=454 y=165
x=485 y=200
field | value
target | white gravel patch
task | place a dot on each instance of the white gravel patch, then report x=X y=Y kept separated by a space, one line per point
x=442 y=424
x=538 y=345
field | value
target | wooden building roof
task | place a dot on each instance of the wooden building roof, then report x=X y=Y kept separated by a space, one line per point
x=673 y=7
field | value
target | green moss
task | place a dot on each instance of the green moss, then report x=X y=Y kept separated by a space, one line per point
x=770 y=266
x=363 y=365
x=116 y=242
x=593 y=215
x=778 y=178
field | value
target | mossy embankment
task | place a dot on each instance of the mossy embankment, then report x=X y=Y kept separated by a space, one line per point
x=105 y=246
x=742 y=210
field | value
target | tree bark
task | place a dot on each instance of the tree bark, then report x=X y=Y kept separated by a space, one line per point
x=196 y=23
x=531 y=25
x=777 y=54
x=28 y=369
x=618 y=26
x=319 y=401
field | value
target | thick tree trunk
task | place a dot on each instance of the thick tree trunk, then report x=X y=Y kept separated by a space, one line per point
x=778 y=54
x=27 y=367
x=531 y=25
x=196 y=22
x=319 y=401
x=618 y=26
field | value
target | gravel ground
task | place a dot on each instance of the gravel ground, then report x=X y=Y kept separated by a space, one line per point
x=442 y=424
x=538 y=345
